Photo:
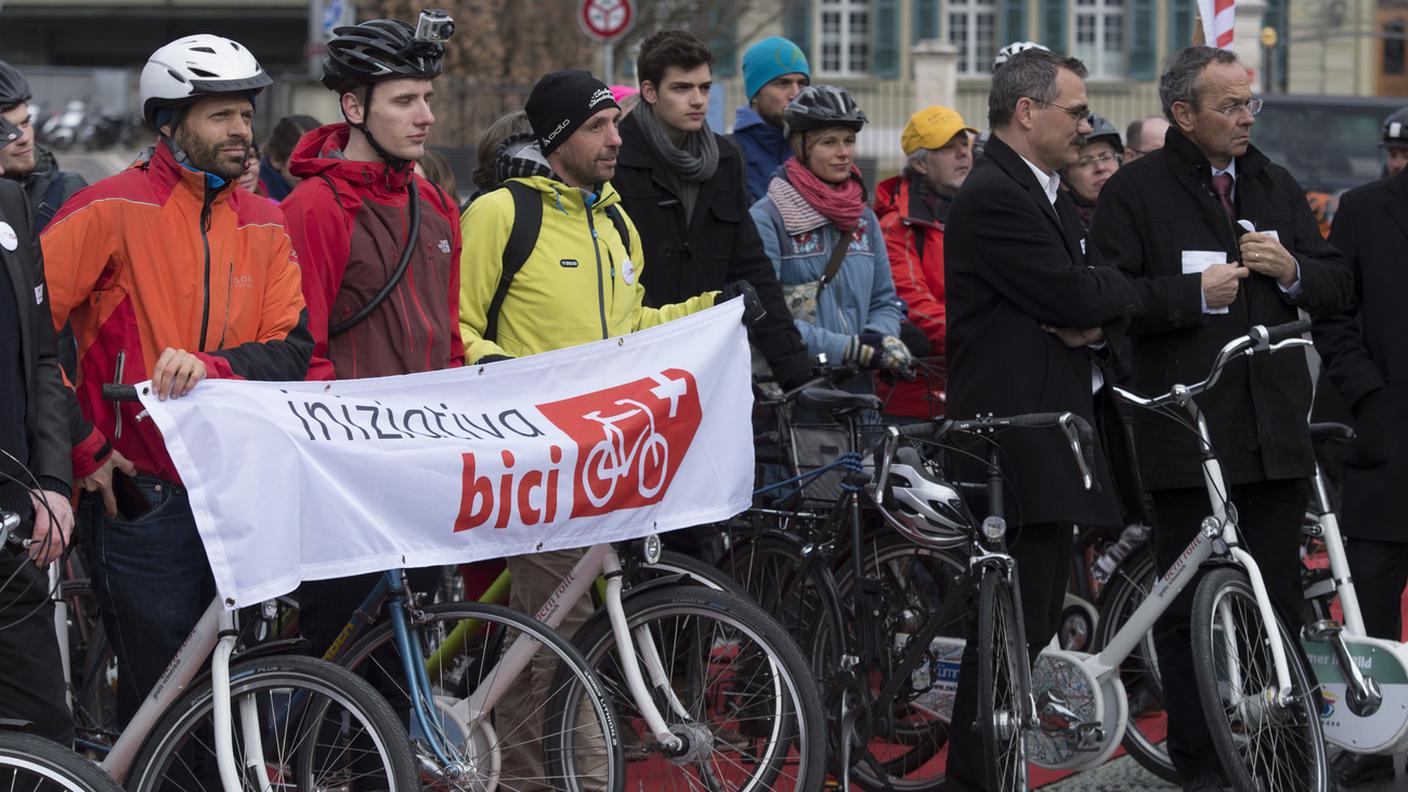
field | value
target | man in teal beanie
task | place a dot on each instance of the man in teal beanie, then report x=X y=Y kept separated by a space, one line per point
x=774 y=71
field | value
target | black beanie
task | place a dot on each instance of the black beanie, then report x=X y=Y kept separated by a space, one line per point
x=563 y=101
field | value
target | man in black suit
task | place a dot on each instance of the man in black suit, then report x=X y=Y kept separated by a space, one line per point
x=35 y=473
x=1364 y=357
x=1217 y=239
x=1029 y=307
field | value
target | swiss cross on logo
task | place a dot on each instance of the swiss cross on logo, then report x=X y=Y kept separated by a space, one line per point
x=630 y=439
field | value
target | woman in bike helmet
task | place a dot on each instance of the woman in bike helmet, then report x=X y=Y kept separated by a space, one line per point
x=1100 y=156
x=825 y=242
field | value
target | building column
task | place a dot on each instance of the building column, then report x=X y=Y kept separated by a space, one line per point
x=935 y=73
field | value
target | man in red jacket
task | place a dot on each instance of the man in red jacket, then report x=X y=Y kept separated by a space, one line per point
x=913 y=208
x=379 y=244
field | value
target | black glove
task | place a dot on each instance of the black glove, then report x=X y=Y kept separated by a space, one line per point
x=492 y=359
x=1372 y=419
x=753 y=310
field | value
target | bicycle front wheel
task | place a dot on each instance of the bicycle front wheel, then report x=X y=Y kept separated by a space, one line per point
x=316 y=726
x=1264 y=743
x=33 y=764
x=726 y=679
x=512 y=745
x=1004 y=684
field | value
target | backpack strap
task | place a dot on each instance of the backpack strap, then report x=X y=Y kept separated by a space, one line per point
x=522 y=238
x=617 y=219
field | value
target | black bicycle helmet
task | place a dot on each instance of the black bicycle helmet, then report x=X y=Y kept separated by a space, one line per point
x=820 y=107
x=14 y=88
x=377 y=50
x=1102 y=129
x=1396 y=129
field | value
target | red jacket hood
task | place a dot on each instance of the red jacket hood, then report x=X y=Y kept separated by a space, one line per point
x=319 y=153
x=893 y=195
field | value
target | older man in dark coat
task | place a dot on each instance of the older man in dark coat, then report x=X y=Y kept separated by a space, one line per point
x=1029 y=308
x=1217 y=239
x=1365 y=359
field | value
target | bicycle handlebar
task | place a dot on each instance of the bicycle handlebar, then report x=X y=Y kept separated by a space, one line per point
x=1260 y=339
x=115 y=392
x=1078 y=433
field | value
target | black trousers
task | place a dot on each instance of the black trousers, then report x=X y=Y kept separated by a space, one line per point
x=1380 y=572
x=31 y=672
x=1269 y=514
x=1043 y=555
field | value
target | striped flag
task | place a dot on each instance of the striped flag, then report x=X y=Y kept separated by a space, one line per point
x=1217 y=17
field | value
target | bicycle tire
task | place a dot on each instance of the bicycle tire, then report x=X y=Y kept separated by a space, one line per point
x=752 y=743
x=92 y=669
x=1293 y=756
x=1129 y=585
x=913 y=581
x=291 y=693
x=469 y=657
x=1004 y=684
x=791 y=587
x=34 y=764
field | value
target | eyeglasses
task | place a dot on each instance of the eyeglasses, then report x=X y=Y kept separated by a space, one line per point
x=1251 y=106
x=1077 y=114
x=1109 y=156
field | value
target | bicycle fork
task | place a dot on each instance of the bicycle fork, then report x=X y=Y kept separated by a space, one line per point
x=255 y=770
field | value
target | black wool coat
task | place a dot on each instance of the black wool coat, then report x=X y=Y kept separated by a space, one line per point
x=684 y=256
x=1365 y=356
x=1012 y=262
x=1149 y=214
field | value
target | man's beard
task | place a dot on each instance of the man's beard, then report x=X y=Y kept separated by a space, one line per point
x=209 y=157
x=18 y=169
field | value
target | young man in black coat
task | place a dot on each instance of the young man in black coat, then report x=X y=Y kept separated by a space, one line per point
x=1180 y=222
x=1029 y=306
x=1364 y=357
x=35 y=473
x=683 y=186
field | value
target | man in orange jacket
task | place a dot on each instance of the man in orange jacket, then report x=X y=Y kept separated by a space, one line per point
x=913 y=208
x=167 y=271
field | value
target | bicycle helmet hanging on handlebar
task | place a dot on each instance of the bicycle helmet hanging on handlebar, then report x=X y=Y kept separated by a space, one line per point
x=360 y=56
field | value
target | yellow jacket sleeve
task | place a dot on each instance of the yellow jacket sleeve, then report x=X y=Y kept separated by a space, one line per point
x=484 y=230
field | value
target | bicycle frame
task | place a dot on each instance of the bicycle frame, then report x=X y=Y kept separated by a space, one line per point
x=598 y=560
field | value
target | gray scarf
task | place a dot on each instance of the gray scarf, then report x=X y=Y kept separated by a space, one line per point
x=686 y=167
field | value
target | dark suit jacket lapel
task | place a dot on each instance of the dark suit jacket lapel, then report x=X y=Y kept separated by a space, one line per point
x=1398 y=202
x=1072 y=230
x=1017 y=168
x=10 y=260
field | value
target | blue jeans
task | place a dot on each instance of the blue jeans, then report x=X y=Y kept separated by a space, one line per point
x=153 y=583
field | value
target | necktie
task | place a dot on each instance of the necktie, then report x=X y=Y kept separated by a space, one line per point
x=1222 y=185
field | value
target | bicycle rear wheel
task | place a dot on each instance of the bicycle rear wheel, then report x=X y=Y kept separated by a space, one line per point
x=739 y=692
x=565 y=747
x=1264 y=743
x=1004 y=684
x=1145 y=739
x=34 y=764
x=319 y=728
x=790 y=586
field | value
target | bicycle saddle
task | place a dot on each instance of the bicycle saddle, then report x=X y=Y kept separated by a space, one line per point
x=1330 y=431
x=830 y=400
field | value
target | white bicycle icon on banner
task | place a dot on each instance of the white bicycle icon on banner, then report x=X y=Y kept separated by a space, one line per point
x=612 y=458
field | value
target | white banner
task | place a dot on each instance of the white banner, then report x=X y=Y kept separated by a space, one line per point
x=609 y=441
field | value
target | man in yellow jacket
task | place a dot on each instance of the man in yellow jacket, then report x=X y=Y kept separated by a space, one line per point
x=550 y=261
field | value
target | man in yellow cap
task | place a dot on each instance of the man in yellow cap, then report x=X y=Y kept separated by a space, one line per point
x=913 y=208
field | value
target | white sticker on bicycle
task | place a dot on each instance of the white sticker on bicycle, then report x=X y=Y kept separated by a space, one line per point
x=604 y=442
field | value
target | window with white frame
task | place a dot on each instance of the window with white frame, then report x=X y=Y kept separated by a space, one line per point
x=972 y=28
x=1100 y=39
x=845 y=37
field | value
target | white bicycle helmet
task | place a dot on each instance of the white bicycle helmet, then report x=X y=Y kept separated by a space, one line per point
x=926 y=509
x=1005 y=54
x=188 y=68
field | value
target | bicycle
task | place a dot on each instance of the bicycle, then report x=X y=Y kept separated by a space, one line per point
x=874 y=622
x=1263 y=713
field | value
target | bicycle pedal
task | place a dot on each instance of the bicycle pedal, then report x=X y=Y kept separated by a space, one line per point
x=1090 y=736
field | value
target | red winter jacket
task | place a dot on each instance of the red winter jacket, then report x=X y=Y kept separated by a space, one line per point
x=348 y=221
x=919 y=281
